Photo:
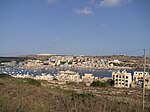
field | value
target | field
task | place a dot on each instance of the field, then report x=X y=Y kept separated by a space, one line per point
x=28 y=95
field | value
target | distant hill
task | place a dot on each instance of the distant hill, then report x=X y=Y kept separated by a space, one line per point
x=18 y=59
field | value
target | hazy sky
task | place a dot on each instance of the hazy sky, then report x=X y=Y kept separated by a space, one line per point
x=80 y=27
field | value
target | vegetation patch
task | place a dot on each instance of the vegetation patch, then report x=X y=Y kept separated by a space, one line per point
x=102 y=84
x=72 y=93
x=99 y=84
x=32 y=81
x=82 y=95
x=29 y=81
x=3 y=75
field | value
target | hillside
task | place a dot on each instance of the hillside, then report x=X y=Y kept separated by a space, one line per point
x=27 y=95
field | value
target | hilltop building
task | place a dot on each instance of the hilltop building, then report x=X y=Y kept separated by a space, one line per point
x=139 y=75
x=138 y=79
x=122 y=79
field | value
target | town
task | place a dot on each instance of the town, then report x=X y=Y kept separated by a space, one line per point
x=48 y=61
x=120 y=79
x=74 y=56
x=64 y=65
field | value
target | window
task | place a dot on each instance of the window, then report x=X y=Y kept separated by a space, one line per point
x=119 y=79
x=122 y=76
x=126 y=80
x=116 y=75
x=122 y=83
x=116 y=79
x=126 y=77
x=119 y=76
x=126 y=85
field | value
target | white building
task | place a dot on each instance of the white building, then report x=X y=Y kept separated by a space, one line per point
x=31 y=63
x=138 y=79
x=139 y=75
x=122 y=79
x=44 y=77
x=68 y=76
x=88 y=78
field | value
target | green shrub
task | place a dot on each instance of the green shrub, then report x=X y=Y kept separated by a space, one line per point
x=99 y=84
x=3 y=75
x=30 y=81
x=110 y=82
x=102 y=84
x=82 y=95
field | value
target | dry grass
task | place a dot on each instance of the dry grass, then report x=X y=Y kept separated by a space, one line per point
x=16 y=95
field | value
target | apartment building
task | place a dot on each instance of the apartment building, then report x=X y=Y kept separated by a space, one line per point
x=138 y=79
x=139 y=75
x=122 y=79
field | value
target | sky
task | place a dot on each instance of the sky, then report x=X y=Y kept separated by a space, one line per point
x=74 y=27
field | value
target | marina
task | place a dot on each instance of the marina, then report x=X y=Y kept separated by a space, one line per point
x=20 y=71
x=17 y=70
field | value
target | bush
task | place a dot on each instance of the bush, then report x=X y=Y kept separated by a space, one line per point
x=110 y=82
x=99 y=84
x=81 y=95
x=102 y=84
x=31 y=81
x=3 y=75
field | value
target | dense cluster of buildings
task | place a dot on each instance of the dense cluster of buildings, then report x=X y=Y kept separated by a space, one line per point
x=126 y=80
x=68 y=62
x=62 y=77
x=121 y=79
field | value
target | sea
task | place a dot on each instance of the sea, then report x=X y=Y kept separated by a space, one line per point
x=96 y=72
